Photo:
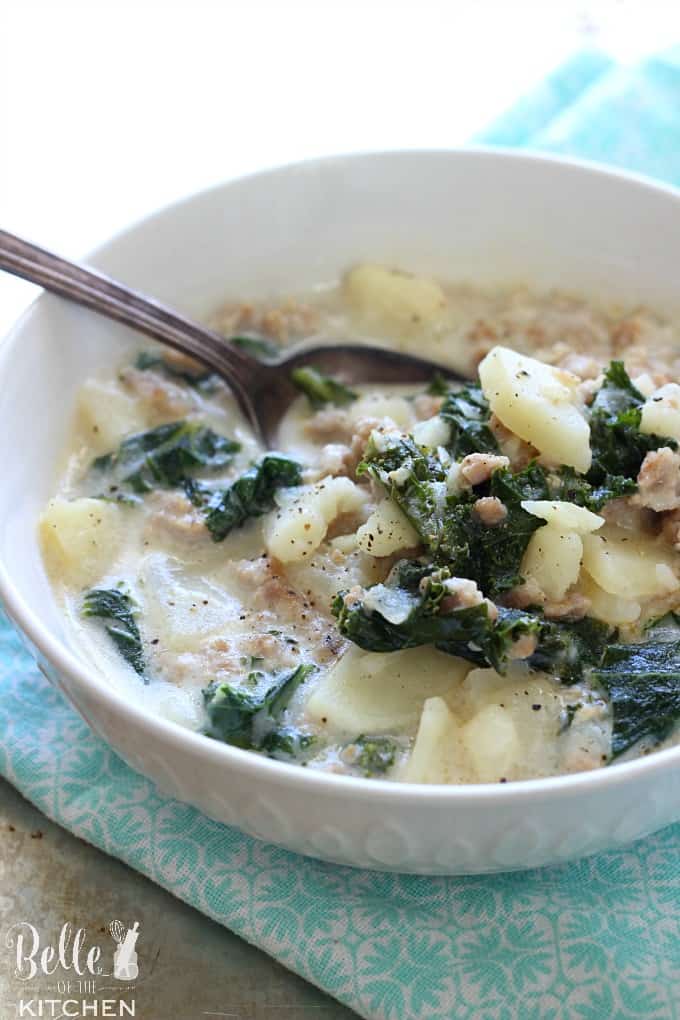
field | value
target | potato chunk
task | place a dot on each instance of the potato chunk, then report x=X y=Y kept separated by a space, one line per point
x=432 y=432
x=564 y=515
x=492 y=743
x=437 y=755
x=371 y=692
x=539 y=404
x=382 y=405
x=330 y=569
x=609 y=608
x=633 y=567
x=553 y=560
x=390 y=300
x=299 y=526
x=106 y=415
x=386 y=531
x=526 y=700
x=80 y=539
x=661 y=412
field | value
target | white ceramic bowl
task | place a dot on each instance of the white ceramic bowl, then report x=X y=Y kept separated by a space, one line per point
x=478 y=215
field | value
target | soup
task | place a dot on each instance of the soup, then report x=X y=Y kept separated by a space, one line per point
x=431 y=584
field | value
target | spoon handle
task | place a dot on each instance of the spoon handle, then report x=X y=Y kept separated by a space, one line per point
x=115 y=301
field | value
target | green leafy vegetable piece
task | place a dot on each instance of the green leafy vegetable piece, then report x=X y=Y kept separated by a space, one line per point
x=470 y=633
x=643 y=684
x=288 y=742
x=467 y=412
x=568 y=650
x=321 y=389
x=202 y=378
x=571 y=487
x=251 y=495
x=231 y=711
x=166 y=456
x=438 y=386
x=405 y=612
x=492 y=556
x=117 y=610
x=373 y=755
x=448 y=524
x=414 y=478
x=259 y=346
x=247 y=716
x=616 y=442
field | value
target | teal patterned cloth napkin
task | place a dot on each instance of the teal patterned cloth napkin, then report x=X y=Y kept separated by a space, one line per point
x=594 y=940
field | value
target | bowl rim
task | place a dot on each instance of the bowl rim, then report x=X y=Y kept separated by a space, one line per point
x=249 y=764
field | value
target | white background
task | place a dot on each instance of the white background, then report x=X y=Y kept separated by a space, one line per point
x=111 y=109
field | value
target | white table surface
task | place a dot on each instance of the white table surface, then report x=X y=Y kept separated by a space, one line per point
x=111 y=109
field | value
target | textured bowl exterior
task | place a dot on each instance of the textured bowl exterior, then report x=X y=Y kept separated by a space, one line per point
x=472 y=214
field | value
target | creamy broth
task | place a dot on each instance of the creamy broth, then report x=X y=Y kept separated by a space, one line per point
x=415 y=585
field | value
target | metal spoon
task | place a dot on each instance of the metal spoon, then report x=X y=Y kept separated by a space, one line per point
x=263 y=390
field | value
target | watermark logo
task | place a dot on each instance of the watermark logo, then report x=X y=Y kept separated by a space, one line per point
x=79 y=970
x=125 y=957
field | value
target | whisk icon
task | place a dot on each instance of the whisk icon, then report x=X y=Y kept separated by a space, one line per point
x=125 y=957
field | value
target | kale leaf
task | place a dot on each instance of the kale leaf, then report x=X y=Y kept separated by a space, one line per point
x=643 y=684
x=447 y=523
x=259 y=346
x=321 y=389
x=117 y=609
x=202 y=379
x=438 y=386
x=251 y=495
x=165 y=456
x=415 y=480
x=247 y=716
x=405 y=612
x=571 y=487
x=373 y=755
x=390 y=618
x=287 y=742
x=617 y=444
x=467 y=412
x=568 y=650
x=492 y=556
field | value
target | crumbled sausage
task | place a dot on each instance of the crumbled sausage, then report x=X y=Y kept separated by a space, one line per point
x=426 y=405
x=478 y=467
x=523 y=647
x=275 y=603
x=524 y=595
x=329 y=422
x=354 y=596
x=573 y=606
x=490 y=510
x=362 y=432
x=587 y=390
x=461 y=594
x=659 y=481
x=183 y=362
x=176 y=515
x=164 y=399
x=291 y=320
x=515 y=449
x=342 y=456
x=334 y=459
